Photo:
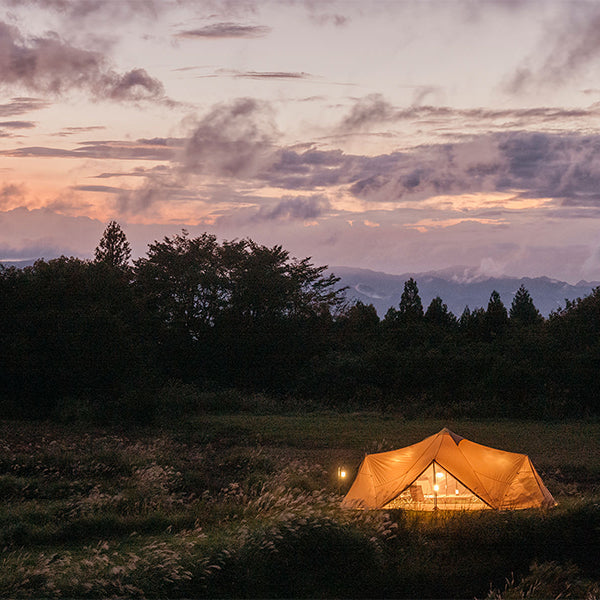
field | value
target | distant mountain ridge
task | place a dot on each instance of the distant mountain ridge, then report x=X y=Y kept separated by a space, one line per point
x=458 y=287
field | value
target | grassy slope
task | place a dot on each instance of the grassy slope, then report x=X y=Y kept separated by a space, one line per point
x=191 y=509
x=572 y=447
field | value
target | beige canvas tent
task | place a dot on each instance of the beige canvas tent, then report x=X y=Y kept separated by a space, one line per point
x=447 y=472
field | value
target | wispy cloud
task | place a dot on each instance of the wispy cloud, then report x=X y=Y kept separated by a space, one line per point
x=158 y=149
x=66 y=131
x=226 y=30
x=19 y=106
x=570 y=45
x=17 y=124
x=374 y=110
x=272 y=75
x=299 y=208
x=98 y=188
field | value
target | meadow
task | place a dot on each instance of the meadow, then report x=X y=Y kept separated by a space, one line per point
x=247 y=505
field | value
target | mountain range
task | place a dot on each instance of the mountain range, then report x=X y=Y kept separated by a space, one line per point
x=458 y=287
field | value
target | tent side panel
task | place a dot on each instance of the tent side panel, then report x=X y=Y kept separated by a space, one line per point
x=527 y=490
x=496 y=469
x=452 y=458
x=362 y=491
x=392 y=472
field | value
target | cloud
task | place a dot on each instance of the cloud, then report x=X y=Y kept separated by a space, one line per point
x=155 y=149
x=97 y=188
x=134 y=85
x=93 y=9
x=368 y=111
x=154 y=191
x=49 y=65
x=234 y=139
x=299 y=208
x=30 y=251
x=137 y=172
x=10 y=192
x=75 y=130
x=272 y=75
x=534 y=165
x=17 y=124
x=371 y=111
x=30 y=234
x=569 y=47
x=335 y=19
x=226 y=30
x=19 y=106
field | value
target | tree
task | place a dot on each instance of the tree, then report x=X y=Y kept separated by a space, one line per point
x=113 y=249
x=265 y=283
x=182 y=282
x=522 y=309
x=411 y=307
x=72 y=333
x=358 y=325
x=236 y=309
x=496 y=316
x=438 y=313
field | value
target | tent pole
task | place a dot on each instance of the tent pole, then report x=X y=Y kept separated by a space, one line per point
x=435 y=507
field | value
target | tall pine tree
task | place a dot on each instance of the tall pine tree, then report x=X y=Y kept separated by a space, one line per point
x=522 y=309
x=411 y=307
x=113 y=249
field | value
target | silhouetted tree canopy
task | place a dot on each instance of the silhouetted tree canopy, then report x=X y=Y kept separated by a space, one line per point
x=103 y=338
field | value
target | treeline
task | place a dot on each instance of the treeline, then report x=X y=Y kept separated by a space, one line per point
x=195 y=319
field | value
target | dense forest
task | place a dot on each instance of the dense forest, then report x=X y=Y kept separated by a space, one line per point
x=202 y=325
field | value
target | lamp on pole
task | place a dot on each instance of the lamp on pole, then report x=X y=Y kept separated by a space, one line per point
x=341 y=477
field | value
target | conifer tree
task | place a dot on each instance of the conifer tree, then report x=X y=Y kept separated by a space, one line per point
x=438 y=313
x=522 y=309
x=411 y=307
x=113 y=249
x=496 y=315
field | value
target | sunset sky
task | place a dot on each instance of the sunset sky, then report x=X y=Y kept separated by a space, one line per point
x=396 y=136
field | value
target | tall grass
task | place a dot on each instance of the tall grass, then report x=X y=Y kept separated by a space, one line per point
x=231 y=507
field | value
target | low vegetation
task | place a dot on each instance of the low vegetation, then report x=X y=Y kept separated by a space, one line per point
x=248 y=506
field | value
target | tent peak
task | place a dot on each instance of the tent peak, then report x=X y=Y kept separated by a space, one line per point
x=457 y=438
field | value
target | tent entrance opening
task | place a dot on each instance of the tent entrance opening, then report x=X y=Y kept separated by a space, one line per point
x=437 y=489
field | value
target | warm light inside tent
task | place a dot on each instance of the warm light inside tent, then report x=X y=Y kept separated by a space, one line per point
x=437 y=489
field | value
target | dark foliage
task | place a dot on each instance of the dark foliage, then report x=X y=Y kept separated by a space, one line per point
x=100 y=339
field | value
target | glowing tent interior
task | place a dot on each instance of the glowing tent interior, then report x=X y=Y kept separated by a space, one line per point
x=447 y=472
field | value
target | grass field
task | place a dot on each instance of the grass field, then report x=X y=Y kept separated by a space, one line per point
x=248 y=505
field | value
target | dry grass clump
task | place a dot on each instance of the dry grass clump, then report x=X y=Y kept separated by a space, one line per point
x=150 y=569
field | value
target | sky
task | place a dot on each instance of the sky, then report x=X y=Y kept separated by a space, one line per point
x=402 y=136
